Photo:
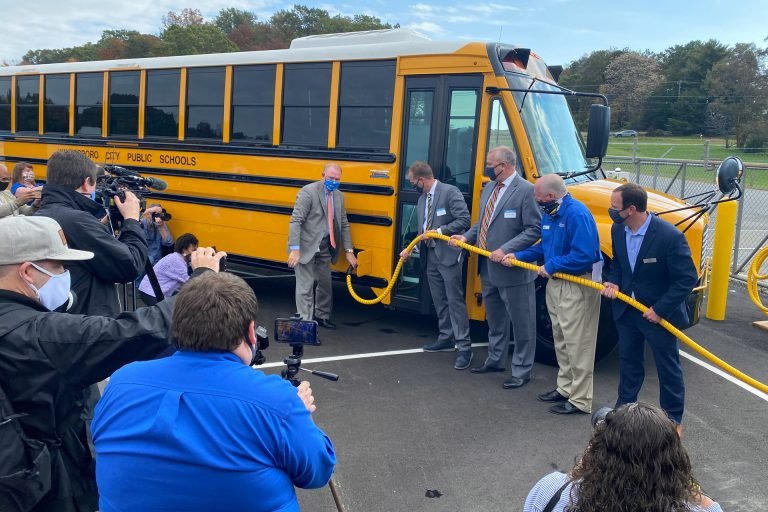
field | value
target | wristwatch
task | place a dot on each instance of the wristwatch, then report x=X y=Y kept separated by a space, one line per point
x=350 y=250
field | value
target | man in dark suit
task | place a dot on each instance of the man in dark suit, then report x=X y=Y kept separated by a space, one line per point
x=318 y=229
x=441 y=208
x=509 y=221
x=652 y=263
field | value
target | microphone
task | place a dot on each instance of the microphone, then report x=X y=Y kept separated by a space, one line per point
x=155 y=183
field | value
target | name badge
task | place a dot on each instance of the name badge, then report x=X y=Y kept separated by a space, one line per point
x=510 y=214
x=562 y=224
x=545 y=226
x=440 y=212
x=649 y=260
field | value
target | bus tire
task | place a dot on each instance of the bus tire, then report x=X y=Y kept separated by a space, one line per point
x=607 y=336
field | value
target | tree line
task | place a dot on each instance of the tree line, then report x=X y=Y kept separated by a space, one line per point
x=702 y=87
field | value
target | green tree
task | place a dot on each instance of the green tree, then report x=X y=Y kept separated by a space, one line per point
x=679 y=104
x=303 y=21
x=228 y=20
x=738 y=90
x=184 y=18
x=195 y=39
x=630 y=79
x=127 y=44
x=587 y=74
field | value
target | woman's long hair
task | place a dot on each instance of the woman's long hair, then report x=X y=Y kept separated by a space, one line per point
x=635 y=461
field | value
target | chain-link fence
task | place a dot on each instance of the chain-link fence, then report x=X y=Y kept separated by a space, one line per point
x=690 y=178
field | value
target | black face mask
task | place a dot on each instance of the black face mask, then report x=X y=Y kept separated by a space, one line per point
x=3 y=185
x=490 y=172
x=419 y=186
x=615 y=215
x=549 y=207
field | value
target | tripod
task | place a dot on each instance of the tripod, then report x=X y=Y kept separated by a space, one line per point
x=292 y=367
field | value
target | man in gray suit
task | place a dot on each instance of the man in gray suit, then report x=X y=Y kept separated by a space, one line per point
x=510 y=220
x=441 y=208
x=318 y=228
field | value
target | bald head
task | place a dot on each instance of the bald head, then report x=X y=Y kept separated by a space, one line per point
x=548 y=188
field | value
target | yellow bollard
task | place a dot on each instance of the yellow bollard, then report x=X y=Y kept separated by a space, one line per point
x=721 y=260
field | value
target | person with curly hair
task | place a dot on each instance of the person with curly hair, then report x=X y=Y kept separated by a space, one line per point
x=635 y=461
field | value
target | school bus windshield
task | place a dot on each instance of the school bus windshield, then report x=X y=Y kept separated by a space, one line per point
x=555 y=141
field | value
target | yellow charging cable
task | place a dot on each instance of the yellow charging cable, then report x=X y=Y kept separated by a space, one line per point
x=754 y=276
x=584 y=282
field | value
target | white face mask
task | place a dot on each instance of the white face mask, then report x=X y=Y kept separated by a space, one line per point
x=55 y=292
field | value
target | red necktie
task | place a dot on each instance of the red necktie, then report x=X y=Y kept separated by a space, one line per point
x=329 y=208
x=487 y=215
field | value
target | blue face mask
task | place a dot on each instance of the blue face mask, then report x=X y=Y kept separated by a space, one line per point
x=331 y=185
x=490 y=172
x=93 y=196
x=55 y=292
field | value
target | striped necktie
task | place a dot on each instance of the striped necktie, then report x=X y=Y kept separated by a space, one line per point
x=430 y=242
x=487 y=215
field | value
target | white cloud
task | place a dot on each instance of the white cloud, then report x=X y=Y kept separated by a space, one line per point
x=427 y=26
x=492 y=8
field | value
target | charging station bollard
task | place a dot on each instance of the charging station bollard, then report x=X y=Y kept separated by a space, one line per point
x=725 y=230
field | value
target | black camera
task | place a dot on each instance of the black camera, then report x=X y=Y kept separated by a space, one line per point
x=600 y=414
x=116 y=181
x=163 y=216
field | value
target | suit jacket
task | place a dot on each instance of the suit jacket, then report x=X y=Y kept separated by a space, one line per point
x=450 y=214
x=515 y=225
x=664 y=272
x=309 y=220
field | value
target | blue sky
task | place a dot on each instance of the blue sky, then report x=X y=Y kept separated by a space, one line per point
x=560 y=31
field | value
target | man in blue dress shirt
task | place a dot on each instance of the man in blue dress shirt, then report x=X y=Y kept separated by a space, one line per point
x=569 y=244
x=201 y=430
x=652 y=263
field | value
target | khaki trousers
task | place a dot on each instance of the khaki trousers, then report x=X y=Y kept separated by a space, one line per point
x=575 y=313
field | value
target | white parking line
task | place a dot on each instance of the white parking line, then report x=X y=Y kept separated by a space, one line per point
x=360 y=356
x=724 y=375
x=686 y=355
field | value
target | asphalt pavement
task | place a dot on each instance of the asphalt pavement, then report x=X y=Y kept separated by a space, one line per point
x=407 y=426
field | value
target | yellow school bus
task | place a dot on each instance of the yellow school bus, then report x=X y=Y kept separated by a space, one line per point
x=236 y=135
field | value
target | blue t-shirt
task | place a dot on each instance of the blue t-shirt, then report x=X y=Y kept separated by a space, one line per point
x=201 y=431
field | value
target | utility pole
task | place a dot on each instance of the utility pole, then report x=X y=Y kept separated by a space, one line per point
x=679 y=86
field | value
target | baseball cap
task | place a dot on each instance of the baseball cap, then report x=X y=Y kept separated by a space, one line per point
x=35 y=238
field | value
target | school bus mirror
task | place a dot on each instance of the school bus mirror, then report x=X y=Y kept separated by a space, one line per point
x=364 y=263
x=599 y=129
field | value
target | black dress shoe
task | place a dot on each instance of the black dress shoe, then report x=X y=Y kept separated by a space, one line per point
x=486 y=369
x=514 y=382
x=552 y=396
x=566 y=408
x=324 y=322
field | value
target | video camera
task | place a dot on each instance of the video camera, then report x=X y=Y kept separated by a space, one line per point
x=114 y=183
x=163 y=216
x=297 y=333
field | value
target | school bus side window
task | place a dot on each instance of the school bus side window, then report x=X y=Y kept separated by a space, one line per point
x=5 y=104
x=205 y=103
x=499 y=133
x=88 y=99
x=306 y=101
x=27 y=103
x=161 y=114
x=124 y=103
x=56 y=106
x=365 y=104
x=253 y=103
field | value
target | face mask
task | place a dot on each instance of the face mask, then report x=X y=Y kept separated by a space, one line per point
x=419 y=187
x=549 y=207
x=331 y=185
x=615 y=215
x=490 y=172
x=3 y=185
x=93 y=196
x=55 y=292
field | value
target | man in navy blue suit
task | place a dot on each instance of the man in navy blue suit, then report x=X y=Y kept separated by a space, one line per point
x=652 y=263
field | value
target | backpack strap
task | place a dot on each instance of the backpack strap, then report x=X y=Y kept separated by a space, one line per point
x=555 y=498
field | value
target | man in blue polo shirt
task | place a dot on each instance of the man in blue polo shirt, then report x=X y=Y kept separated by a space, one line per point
x=569 y=244
x=201 y=430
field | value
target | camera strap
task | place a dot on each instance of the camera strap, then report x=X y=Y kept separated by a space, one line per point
x=555 y=498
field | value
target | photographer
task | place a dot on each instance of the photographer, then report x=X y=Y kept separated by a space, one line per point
x=635 y=461
x=201 y=430
x=156 y=231
x=171 y=270
x=68 y=199
x=16 y=204
x=48 y=359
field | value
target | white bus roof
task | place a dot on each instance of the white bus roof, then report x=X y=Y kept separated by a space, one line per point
x=370 y=45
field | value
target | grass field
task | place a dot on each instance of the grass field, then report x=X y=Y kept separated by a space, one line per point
x=689 y=148
x=682 y=148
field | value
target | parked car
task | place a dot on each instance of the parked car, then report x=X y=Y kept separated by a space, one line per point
x=626 y=133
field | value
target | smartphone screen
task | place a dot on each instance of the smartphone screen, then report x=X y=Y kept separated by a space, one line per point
x=289 y=330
